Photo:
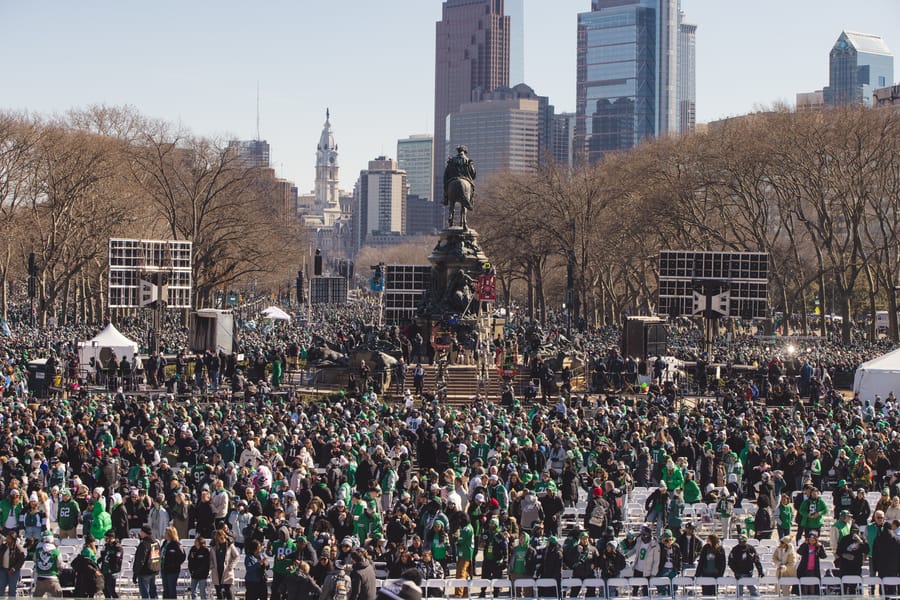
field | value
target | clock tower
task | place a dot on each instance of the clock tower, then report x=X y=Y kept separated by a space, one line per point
x=327 y=194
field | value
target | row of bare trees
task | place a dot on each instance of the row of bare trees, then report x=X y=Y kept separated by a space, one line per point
x=68 y=184
x=818 y=191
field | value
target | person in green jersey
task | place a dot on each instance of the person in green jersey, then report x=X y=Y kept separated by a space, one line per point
x=67 y=515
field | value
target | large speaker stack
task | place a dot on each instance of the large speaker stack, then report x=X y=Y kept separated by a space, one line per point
x=644 y=337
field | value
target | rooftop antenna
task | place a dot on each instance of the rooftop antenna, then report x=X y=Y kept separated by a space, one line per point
x=257 y=110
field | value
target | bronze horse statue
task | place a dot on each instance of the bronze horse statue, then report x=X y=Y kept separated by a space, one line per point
x=459 y=191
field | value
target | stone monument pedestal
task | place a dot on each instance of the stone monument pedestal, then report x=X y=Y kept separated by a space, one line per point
x=451 y=310
x=457 y=260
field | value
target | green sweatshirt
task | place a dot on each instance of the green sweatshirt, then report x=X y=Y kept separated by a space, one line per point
x=67 y=515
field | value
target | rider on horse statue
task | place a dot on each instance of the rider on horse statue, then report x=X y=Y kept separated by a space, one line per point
x=459 y=167
x=463 y=168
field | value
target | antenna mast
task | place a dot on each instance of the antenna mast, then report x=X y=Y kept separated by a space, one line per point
x=257 y=110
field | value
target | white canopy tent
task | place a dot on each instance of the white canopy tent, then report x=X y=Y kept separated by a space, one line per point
x=102 y=345
x=879 y=376
x=276 y=314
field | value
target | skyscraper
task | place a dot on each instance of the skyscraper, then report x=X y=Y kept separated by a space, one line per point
x=414 y=155
x=628 y=74
x=859 y=63
x=471 y=52
x=563 y=138
x=252 y=153
x=380 y=201
x=687 y=75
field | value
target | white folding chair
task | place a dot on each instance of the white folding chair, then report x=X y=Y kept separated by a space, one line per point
x=787 y=581
x=705 y=582
x=684 y=585
x=811 y=582
x=726 y=586
x=661 y=587
x=497 y=585
x=638 y=584
x=451 y=585
x=852 y=585
x=477 y=586
x=544 y=584
x=567 y=583
x=524 y=588
x=596 y=584
x=618 y=587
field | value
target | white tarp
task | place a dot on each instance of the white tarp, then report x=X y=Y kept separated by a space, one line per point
x=879 y=376
x=102 y=345
x=276 y=314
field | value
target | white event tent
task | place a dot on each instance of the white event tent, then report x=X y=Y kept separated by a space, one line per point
x=109 y=339
x=879 y=376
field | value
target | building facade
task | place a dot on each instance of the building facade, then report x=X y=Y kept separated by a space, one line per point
x=251 y=153
x=888 y=96
x=563 y=139
x=379 y=202
x=811 y=100
x=502 y=135
x=629 y=87
x=415 y=156
x=687 y=76
x=858 y=64
x=471 y=52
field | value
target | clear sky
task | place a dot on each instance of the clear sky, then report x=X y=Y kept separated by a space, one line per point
x=197 y=63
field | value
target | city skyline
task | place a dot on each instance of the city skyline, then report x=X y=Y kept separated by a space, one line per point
x=375 y=71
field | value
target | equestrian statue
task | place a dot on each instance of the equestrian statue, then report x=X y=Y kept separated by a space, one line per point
x=459 y=185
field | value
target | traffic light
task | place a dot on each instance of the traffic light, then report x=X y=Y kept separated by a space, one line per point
x=300 y=287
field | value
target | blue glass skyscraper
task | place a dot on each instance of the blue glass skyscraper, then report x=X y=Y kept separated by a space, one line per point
x=628 y=74
x=859 y=63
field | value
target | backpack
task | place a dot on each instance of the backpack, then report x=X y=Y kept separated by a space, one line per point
x=598 y=515
x=341 y=586
x=153 y=557
x=725 y=506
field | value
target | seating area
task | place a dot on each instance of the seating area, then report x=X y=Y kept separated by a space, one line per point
x=702 y=515
x=642 y=588
x=70 y=548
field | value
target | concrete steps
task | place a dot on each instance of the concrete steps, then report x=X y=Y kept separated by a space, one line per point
x=461 y=380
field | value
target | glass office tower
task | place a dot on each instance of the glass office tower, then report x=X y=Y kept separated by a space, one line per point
x=628 y=74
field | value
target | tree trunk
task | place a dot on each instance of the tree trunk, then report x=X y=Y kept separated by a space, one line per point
x=64 y=317
x=870 y=279
x=823 y=326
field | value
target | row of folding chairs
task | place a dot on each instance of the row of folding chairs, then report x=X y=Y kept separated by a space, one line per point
x=643 y=588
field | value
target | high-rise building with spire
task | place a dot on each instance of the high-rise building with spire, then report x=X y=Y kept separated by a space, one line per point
x=471 y=53
x=327 y=193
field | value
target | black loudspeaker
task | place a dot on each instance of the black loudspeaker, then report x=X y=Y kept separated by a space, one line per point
x=633 y=338
x=317 y=263
x=643 y=337
x=656 y=339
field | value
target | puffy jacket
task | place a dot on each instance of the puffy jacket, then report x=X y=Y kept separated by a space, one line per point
x=742 y=559
x=172 y=557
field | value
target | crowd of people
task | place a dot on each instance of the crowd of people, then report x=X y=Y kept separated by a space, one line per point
x=299 y=497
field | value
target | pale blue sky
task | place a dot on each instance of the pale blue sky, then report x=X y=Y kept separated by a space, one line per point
x=198 y=63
